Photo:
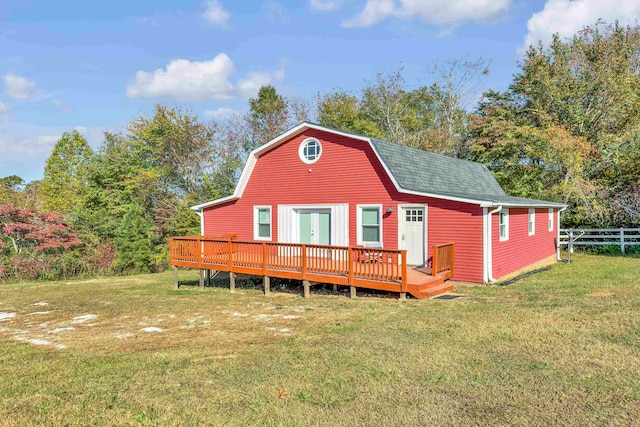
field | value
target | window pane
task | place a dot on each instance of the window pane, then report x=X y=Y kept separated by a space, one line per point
x=263 y=216
x=370 y=216
x=370 y=233
x=264 y=230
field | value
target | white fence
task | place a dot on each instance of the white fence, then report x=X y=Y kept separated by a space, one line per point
x=622 y=237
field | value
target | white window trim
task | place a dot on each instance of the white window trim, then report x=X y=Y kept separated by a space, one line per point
x=550 y=220
x=256 y=233
x=506 y=223
x=359 y=222
x=303 y=144
x=531 y=230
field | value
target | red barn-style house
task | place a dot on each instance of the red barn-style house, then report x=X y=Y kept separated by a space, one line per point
x=326 y=206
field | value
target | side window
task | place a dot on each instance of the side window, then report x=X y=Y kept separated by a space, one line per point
x=262 y=223
x=504 y=224
x=370 y=224
x=550 y=219
x=532 y=221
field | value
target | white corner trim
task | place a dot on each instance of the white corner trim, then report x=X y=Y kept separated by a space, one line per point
x=489 y=245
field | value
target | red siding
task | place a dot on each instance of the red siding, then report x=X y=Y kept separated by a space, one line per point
x=348 y=171
x=521 y=249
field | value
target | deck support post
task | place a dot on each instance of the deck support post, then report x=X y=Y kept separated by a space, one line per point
x=352 y=291
x=335 y=289
x=266 y=280
x=208 y=276
x=306 y=285
x=403 y=296
x=232 y=281
x=201 y=280
x=176 y=286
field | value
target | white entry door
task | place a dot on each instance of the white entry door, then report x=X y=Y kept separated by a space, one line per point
x=412 y=234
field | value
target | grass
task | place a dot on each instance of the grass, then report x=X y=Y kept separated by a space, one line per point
x=558 y=347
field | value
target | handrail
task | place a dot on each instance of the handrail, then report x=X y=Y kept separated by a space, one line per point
x=442 y=259
x=224 y=252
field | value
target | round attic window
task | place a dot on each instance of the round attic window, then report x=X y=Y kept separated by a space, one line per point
x=310 y=150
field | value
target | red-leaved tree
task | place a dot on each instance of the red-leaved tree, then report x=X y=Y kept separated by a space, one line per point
x=31 y=241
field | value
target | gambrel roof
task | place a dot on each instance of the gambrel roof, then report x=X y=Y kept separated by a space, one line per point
x=412 y=171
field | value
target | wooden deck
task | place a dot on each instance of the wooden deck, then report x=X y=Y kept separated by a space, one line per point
x=382 y=269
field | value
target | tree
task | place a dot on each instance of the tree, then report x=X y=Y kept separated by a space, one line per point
x=268 y=116
x=135 y=241
x=30 y=242
x=569 y=122
x=62 y=188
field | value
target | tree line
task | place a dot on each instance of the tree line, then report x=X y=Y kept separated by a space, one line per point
x=566 y=129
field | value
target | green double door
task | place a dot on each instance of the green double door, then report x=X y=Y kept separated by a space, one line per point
x=315 y=226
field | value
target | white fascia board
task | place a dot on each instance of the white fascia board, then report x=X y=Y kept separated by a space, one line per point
x=519 y=205
x=214 y=202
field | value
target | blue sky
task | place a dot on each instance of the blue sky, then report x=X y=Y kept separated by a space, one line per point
x=95 y=66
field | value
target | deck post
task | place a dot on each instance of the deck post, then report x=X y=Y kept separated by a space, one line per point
x=264 y=259
x=230 y=249
x=201 y=280
x=175 y=278
x=434 y=261
x=306 y=285
x=403 y=296
x=232 y=281
x=352 y=291
x=335 y=289
x=304 y=261
x=266 y=280
x=350 y=265
x=208 y=276
x=404 y=286
x=453 y=252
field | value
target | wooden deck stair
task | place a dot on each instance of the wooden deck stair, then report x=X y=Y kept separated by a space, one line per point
x=428 y=286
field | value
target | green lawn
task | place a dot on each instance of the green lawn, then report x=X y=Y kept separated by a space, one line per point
x=558 y=347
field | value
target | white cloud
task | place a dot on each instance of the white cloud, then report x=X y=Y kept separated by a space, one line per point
x=187 y=80
x=324 y=5
x=60 y=105
x=216 y=13
x=27 y=147
x=276 y=12
x=250 y=85
x=18 y=87
x=199 y=81
x=439 y=12
x=4 y=109
x=567 y=17
x=221 y=113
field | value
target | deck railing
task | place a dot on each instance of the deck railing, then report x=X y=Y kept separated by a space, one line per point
x=345 y=265
x=442 y=260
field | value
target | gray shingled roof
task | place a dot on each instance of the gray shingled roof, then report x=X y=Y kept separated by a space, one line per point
x=425 y=172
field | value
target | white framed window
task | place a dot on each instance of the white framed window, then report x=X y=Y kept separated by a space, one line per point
x=532 y=221
x=550 y=219
x=310 y=150
x=369 y=223
x=262 y=223
x=503 y=220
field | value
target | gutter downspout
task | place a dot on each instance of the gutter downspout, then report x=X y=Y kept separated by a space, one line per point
x=558 y=248
x=490 y=277
x=200 y=214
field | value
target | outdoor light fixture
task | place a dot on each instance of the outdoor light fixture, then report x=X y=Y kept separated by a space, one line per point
x=390 y=209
